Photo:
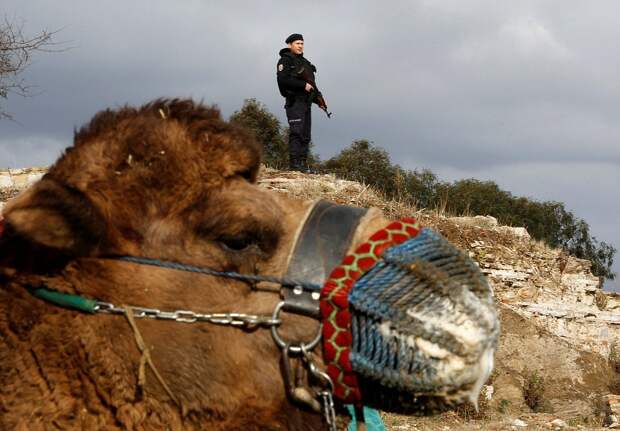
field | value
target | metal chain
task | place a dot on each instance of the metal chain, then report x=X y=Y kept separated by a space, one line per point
x=329 y=412
x=186 y=316
x=326 y=395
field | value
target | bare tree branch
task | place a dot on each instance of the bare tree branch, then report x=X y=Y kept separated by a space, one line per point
x=16 y=50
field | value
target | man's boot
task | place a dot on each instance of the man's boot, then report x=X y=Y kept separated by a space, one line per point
x=294 y=163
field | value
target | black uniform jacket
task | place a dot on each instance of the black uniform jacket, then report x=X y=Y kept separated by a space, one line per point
x=290 y=65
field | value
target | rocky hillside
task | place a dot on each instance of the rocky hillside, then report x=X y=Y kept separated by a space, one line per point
x=557 y=325
x=558 y=328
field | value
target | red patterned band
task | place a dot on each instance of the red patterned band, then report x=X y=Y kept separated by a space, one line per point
x=335 y=304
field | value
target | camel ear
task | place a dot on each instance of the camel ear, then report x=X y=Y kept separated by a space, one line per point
x=56 y=216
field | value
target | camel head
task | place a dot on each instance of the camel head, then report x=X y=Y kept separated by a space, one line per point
x=174 y=182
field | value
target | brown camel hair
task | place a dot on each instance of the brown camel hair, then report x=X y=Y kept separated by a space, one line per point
x=170 y=180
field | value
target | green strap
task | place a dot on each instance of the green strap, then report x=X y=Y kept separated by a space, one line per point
x=66 y=300
x=372 y=417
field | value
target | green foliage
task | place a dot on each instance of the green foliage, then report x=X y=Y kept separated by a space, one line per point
x=365 y=162
x=476 y=197
x=255 y=117
x=534 y=391
x=503 y=405
x=548 y=221
x=421 y=187
x=599 y=411
x=614 y=356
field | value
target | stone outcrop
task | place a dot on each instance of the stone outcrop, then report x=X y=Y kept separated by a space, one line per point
x=554 y=289
x=12 y=181
x=19 y=178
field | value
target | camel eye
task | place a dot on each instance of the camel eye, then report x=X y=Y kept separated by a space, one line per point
x=239 y=243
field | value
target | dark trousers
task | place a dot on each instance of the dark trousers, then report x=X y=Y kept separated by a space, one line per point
x=299 y=123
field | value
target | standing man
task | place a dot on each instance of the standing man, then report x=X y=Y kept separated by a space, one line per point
x=291 y=66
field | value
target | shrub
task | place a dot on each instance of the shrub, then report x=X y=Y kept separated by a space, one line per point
x=468 y=411
x=255 y=117
x=614 y=356
x=503 y=405
x=599 y=410
x=534 y=391
x=365 y=162
x=600 y=299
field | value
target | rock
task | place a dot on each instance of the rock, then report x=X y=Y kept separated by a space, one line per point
x=528 y=293
x=477 y=221
x=20 y=178
x=519 y=232
x=613 y=410
x=558 y=424
x=518 y=423
x=487 y=392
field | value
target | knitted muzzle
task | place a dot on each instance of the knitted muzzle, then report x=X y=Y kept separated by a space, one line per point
x=409 y=323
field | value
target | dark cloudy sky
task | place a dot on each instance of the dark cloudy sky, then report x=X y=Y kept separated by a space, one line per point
x=523 y=93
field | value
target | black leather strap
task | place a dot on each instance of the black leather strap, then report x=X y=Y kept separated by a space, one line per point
x=321 y=246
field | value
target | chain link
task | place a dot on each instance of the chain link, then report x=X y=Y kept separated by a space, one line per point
x=186 y=316
x=329 y=412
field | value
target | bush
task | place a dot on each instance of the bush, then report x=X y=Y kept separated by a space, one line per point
x=255 y=117
x=600 y=299
x=599 y=410
x=534 y=391
x=468 y=411
x=548 y=221
x=365 y=162
x=614 y=356
x=503 y=405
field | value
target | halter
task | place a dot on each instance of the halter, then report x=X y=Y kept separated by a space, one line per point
x=321 y=243
x=392 y=315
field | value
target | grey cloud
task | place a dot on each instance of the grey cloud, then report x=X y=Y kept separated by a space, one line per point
x=509 y=91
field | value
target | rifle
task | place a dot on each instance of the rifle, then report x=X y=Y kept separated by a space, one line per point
x=315 y=95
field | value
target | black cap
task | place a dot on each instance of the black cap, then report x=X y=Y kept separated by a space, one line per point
x=293 y=37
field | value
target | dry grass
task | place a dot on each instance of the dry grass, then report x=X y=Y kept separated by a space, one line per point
x=327 y=186
x=6 y=194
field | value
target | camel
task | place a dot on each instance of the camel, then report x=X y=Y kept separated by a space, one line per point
x=172 y=181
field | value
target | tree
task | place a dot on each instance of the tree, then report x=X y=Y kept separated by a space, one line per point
x=364 y=162
x=16 y=50
x=255 y=117
x=548 y=221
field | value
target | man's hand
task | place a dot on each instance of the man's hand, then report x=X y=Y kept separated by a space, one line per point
x=309 y=87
